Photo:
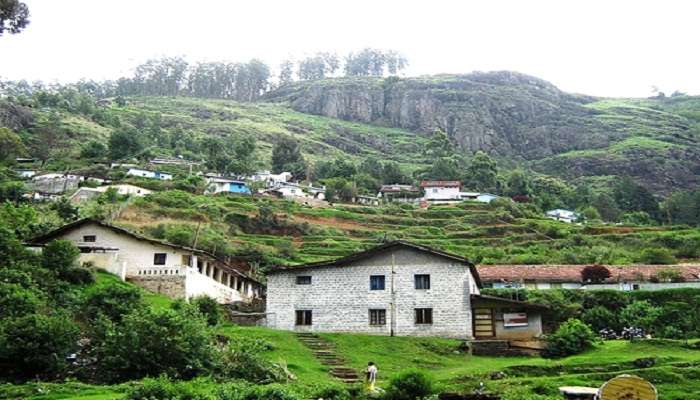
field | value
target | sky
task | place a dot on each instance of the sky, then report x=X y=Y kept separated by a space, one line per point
x=614 y=48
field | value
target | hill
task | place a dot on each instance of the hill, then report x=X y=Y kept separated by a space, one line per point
x=525 y=121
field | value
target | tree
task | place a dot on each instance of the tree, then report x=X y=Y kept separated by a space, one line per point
x=11 y=145
x=640 y=314
x=151 y=342
x=444 y=168
x=392 y=173
x=607 y=207
x=518 y=184
x=683 y=208
x=47 y=136
x=439 y=145
x=286 y=72
x=374 y=62
x=59 y=256
x=286 y=156
x=631 y=196
x=124 y=143
x=93 y=149
x=113 y=302
x=595 y=273
x=67 y=211
x=14 y=16
x=482 y=172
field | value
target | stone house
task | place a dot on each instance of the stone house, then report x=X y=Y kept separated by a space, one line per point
x=398 y=288
x=158 y=266
x=623 y=277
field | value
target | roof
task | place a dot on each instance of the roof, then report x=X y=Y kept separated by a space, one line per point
x=343 y=261
x=572 y=273
x=398 y=188
x=507 y=302
x=441 y=184
x=40 y=240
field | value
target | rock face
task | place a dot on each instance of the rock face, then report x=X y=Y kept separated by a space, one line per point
x=504 y=113
x=515 y=116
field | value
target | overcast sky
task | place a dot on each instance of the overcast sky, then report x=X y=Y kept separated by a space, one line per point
x=605 y=48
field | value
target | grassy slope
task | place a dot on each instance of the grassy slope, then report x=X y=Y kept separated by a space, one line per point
x=475 y=230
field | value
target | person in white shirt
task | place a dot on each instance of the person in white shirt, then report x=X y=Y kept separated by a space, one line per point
x=371 y=375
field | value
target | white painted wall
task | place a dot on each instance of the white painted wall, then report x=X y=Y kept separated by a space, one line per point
x=340 y=297
x=441 y=193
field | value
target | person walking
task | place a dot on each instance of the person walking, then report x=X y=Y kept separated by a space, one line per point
x=371 y=375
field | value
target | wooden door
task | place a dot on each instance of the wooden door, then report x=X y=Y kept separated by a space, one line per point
x=483 y=323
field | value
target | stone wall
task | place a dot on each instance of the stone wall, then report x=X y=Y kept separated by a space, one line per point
x=172 y=286
x=340 y=298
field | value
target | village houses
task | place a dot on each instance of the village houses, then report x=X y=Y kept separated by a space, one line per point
x=224 y=185
x=158 y=266
x=399 y=289
x=622 y=277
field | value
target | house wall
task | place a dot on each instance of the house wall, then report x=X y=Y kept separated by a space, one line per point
x=340 y=298
x=172 y=286
x=533 y=329
x=441 y=193
x=201 y=285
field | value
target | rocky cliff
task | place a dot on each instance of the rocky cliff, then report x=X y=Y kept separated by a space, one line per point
x=510 y=115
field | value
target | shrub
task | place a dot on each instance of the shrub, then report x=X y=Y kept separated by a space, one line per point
x=112 y=301
x=269 y=392
x=600 y=318
x=59 y=256
x=16 y=301
x=240 y=361
x=209 y=308
x=657 y=255
x=162 y=388
x=640 y=314
x=36 y=344
x=572 y=337
x=332 y=392
x=152 y=342
x=595 y=273
x=409 y=385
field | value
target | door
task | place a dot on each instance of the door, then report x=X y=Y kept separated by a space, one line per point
x=483 y=323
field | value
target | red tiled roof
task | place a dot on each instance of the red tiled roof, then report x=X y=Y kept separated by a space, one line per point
x=572 y=273
x=441 y=184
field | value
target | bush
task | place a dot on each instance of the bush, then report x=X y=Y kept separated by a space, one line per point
x=240 y=361
x=657 y=255
x=572 y=337
x=36 y=344
x=409 y=385
x=269 y=392
x=59 y=256
x=332 y=392
x=600 y=318
x=152 y=342
x=16 y=301
x=113 y=301
x=162 y=388
x=209 y=308
x=640 y=314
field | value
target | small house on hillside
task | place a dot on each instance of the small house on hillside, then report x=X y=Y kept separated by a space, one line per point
x=223 y=185
x=623 y=277
x=85 y=193
x=158 y=266
x=562 y=215
x=476 y=196
x=399 y=194
x=398 y=288
x=26 y=173
x=271 y=179
x=143 y=173
x=441 y=191
x=367 y=200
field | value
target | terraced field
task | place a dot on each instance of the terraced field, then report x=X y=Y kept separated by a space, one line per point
x=289 y=233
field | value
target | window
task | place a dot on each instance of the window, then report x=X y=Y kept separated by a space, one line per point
x=303 y=280
x=303 y=317
x=89 y=238
x=435 y=190
x=376 y=282
x=159 y=258
x=422 y=281
x=377 y=317
x=424 y=316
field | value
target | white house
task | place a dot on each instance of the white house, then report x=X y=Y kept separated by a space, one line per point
x=85 y=193
x=271 y=179
x=26 y=173
x=623 y=277
x=161 y=267
x=224 y=185
x=143 y=173
x=437 y=191
x=562 y=215
x=397 y=288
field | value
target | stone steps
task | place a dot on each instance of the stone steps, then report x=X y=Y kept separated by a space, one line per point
x=325 y=353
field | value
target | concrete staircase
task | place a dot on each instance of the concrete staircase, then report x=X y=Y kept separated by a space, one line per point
x=324 y=351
